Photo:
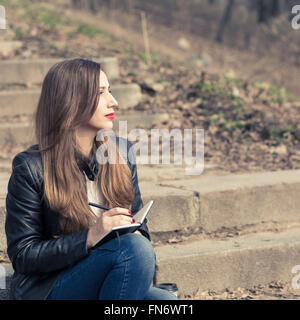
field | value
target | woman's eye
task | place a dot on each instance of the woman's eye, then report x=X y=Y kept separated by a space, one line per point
x=100 y=92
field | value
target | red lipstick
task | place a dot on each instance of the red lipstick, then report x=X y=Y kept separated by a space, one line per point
x=110 y=115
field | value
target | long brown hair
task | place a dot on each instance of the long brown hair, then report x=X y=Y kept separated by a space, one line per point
x=68 y=99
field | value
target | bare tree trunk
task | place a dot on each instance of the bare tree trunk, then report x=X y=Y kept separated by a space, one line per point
x=78 y=4
x=94 y=5
x=268 y=9
x=112 y=7
x=276 y=8
x=130 y=6
x=183 y=16
x=225 y=20
x=130 y=10
x=263 y=11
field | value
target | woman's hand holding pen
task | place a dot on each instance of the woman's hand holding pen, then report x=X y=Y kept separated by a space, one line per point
x=107 y=220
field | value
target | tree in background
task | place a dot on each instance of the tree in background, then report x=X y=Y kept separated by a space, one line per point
x=93 y=5
x=268 y=9
x=225 y=20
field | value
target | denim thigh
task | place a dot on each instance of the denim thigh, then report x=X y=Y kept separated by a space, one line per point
x=122 y=268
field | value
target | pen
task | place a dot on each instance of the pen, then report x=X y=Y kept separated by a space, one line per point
x=105 y=208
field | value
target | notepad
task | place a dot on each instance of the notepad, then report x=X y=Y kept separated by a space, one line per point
x=139 y=217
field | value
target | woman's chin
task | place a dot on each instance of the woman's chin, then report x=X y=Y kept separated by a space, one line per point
x=108 y=125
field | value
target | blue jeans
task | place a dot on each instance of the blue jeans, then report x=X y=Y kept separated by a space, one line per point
x=120 y=269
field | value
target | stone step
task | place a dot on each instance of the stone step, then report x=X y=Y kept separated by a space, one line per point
x=211 y=203
x=17 y=133
x=245 y=261
x=34 y=71
x=6 y=272
x=216 y=201
x=23 y=132
x=20 y=102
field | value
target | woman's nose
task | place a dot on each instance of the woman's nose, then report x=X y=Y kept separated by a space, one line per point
x=113 y=102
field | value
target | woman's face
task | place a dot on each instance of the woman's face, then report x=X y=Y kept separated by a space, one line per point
x=106 y=105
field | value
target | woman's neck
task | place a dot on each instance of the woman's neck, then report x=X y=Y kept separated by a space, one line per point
x=84 y=142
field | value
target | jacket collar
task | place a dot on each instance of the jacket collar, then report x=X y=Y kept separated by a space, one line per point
x=89 y=166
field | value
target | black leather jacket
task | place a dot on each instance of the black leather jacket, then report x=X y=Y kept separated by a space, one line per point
x=35 y=246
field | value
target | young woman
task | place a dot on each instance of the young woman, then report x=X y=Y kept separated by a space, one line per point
x=50 y=227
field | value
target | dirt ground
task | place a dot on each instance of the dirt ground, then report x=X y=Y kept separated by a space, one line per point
x=276 y=290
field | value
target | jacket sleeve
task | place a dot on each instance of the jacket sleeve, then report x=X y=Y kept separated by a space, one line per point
x=27 y=247
x=138 y=202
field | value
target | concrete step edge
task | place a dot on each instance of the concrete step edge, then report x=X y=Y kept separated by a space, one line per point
x=34 y=71
x=202 y=208
x=239 y=262
x=20 y=102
